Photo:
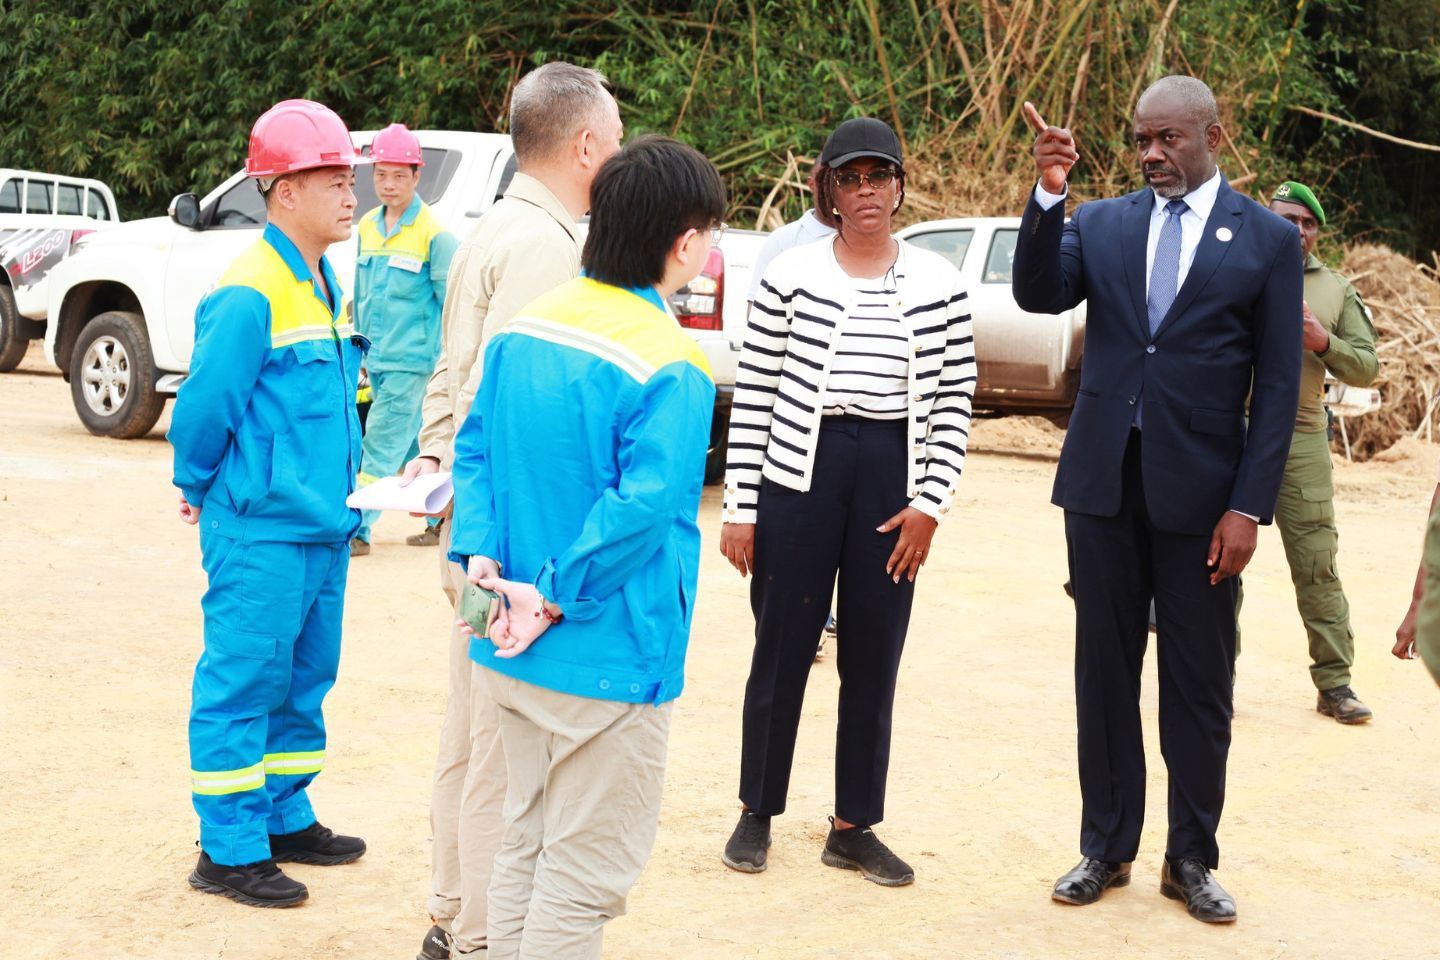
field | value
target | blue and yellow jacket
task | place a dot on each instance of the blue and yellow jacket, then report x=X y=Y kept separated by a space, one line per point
x=400 y=288
x=579 y=468
x=265 y=433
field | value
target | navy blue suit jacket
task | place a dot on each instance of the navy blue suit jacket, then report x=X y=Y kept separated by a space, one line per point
x=1237 y=316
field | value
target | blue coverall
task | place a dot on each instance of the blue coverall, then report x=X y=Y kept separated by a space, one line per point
x=399 y=293
x=266 y=443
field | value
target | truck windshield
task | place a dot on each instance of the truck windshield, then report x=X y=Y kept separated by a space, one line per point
x=242 y=205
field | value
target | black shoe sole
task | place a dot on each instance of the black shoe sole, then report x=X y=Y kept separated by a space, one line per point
x=317 y=859
x=845 y=863
x=1173 y=892
x=1325 y=711
x=1120 y=881
x=742 y=866
x=207 y=886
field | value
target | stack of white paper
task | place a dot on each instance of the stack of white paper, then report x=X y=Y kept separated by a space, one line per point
x=427 y=493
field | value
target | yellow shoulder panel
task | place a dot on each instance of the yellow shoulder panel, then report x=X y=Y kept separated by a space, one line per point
x=627 y=322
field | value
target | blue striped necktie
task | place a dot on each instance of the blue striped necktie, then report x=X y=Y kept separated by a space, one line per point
x=1165 y=272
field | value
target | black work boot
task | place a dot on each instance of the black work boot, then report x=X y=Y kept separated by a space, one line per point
x=1342 y=704
x=259 y=884
x=746 y=848
x=857 y=848
x=315 y=844
x=436 y=945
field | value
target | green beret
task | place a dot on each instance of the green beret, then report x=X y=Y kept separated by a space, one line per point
x=1299 y=193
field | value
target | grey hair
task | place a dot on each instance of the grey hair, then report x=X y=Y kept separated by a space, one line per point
x=1192 y=94
x=550 y=105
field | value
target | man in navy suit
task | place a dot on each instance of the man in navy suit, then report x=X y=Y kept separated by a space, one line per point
x=1194 y=292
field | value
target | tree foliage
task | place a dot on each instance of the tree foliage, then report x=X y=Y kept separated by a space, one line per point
x=158 y=97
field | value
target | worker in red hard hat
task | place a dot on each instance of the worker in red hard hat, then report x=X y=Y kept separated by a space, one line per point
x=267 y=443
x=403 y=259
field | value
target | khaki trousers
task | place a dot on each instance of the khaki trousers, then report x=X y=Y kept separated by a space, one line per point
x=581 y=810
x=468 y=794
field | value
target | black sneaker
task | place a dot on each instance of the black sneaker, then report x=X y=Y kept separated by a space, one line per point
x=857 y=848
x=746 y=848
x=436 y=945
x=259 y=884
x=315 y=844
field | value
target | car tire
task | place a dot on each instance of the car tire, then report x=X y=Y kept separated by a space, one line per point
x=13 y=342
x=112 y=377
x=719 y=448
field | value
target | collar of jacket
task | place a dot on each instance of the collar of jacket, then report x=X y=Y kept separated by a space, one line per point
x=290 y=253
x=527 y=188
x=406 y=219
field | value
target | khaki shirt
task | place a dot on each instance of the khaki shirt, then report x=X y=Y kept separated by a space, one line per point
x=522 y=247
x=1351 y=355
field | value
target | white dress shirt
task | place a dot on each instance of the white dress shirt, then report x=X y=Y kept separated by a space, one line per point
x=796 y=233
x=1192 y=222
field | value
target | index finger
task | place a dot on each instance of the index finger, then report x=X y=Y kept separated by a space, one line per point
x=1032 y=116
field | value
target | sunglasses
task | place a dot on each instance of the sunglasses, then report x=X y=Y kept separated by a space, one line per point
x=849 y=180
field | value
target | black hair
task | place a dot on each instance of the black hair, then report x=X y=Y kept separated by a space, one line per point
x=825 y=193
x=643 y=198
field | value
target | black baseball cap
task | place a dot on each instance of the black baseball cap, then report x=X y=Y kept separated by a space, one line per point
x=861 y=137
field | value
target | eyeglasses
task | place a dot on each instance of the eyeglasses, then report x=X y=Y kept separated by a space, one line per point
x=849 y=180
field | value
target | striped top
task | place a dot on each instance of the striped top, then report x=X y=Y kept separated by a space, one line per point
x=871 y=374
x=792 y=339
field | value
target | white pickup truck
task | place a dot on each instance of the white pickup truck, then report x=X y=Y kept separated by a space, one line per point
x=1028 y=362
x=122 y=309
x=42 y=215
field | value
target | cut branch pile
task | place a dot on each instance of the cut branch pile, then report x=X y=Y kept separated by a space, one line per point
x=1404 y=301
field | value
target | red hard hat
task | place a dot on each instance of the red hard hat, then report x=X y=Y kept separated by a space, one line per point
x=299 y=135
x=396 y=144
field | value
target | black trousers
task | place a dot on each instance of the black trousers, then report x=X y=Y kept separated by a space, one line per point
x=802 y=540
x=1117 y=563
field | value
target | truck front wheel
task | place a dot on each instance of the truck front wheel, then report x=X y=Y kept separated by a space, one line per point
x=13 y=342
x=112 y=377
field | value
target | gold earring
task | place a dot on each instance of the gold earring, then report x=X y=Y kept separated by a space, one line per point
x=835 y=211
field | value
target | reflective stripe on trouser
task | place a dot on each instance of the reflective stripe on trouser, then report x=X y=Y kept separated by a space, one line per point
x=392 y=429
x=1305 y=514
x=467 y=798
x=1427 y=622
x=585 y=783
x=272 y=646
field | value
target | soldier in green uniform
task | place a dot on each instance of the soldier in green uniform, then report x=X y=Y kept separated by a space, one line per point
x=1339 y=338
x=1419 y=632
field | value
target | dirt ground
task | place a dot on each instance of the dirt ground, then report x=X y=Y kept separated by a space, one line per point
x=1330 y=842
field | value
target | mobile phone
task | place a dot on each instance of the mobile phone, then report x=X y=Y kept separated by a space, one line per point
x=477 y=607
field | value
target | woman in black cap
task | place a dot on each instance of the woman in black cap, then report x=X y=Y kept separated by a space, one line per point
x=847 y=439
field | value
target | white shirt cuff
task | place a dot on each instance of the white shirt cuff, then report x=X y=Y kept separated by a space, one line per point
x=1246 y=515
x=1046 y=199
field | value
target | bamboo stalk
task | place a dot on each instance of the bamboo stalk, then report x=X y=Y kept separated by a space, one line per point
x=1364 y=129
x=699 y=60
x=889 y=81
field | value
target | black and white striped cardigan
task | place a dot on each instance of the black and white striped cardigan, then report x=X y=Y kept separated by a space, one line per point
x=790 y=342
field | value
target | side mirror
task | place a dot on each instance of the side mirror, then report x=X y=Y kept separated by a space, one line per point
x=185 y=210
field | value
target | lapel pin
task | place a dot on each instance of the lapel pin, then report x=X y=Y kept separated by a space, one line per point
x=1223 y=234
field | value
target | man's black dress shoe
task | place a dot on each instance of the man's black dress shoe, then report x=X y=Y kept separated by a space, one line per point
x=1190 y=881
x=1089 y=879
